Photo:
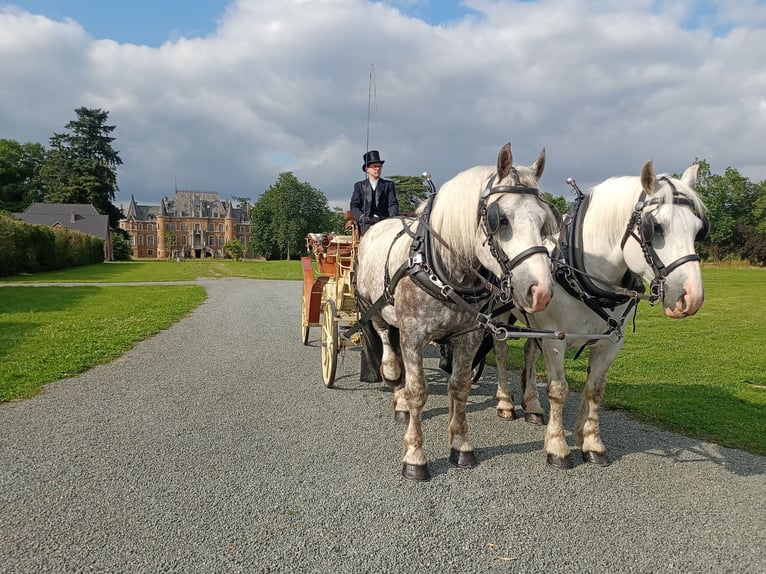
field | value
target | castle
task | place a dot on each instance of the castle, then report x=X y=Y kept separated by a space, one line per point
x=194 y=224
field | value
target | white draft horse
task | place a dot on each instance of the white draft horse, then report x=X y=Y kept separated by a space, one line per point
x=626 y=231
x=426 y=279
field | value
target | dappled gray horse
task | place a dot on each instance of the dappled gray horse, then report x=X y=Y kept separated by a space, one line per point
x=427 y=278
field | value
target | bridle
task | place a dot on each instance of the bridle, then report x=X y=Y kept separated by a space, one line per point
x=490 y=219
x=641 y=226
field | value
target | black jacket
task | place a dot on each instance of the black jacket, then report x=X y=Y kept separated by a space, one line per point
x=368 y=212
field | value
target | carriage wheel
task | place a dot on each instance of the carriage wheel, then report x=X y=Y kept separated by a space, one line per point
x=329 y=343
x=304 y=323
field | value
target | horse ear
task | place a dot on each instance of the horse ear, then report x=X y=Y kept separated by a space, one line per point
x=648 y=179
x=539 y=166
x=689 y=178
x=504 y=161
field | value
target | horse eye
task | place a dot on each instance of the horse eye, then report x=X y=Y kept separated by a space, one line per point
x=503 y=220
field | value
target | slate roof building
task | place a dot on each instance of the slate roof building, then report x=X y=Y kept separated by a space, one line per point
x=81 y=217
x=194 y=224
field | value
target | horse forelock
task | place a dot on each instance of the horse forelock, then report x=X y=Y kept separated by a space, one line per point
x=665 y=193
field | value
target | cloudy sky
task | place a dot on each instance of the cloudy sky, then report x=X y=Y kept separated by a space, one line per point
x=223 y=96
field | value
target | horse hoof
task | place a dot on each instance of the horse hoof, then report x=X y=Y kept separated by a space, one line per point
x=593 y=457
x=462 y=458
x=402 y=417
x=560 y=462
x=417 y=472
x=507 y=414
x=534 y=419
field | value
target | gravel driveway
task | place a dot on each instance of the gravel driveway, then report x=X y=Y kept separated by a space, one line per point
x=215 y=447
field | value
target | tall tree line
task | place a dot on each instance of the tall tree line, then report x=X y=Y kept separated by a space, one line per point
x=80 y=166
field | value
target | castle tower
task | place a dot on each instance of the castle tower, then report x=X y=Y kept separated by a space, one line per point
x=231 y=224
x=163 y=249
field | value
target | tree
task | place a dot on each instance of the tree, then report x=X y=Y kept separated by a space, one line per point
x=242 y=202
x=20 y=182
x=235 y=249
x=284 y=214
x=410 y=191
x=81 y=166
x=732 y=203
x=169 y=240
x=558 y=201
x=121 y=249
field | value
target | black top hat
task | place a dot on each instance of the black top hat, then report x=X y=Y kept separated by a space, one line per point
x=372 y=156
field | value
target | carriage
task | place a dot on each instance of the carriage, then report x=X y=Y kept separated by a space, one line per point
x=328 y=292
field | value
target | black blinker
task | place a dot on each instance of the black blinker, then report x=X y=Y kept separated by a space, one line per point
x=493 y=217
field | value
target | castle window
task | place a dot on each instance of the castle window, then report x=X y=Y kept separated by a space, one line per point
x=220 y=227
x=150 y=240
x=211 y=226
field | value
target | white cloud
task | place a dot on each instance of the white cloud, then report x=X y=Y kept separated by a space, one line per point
x=283 y=85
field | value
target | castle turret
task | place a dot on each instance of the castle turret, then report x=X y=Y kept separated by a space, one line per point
x=164 y=237
x=231 y=223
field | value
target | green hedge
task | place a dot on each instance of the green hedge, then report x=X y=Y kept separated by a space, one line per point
x=32 y=248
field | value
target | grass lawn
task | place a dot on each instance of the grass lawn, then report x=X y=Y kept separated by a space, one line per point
x=150 y=270
x=50 y=333
x=704 y=376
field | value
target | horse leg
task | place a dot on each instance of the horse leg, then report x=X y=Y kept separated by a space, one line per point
x=414 y=394
x=391 y=369
x=556 y=448
x=587 y=433
x=503 y=396
x=530 y=402
x=461 y=450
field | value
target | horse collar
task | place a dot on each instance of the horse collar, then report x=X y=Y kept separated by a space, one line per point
x=570 y=272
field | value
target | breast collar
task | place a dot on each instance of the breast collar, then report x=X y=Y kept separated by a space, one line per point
x=428 y=272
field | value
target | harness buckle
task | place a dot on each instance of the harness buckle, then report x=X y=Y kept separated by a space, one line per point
x=416 y=260
x=657 y=290
x=506 y=291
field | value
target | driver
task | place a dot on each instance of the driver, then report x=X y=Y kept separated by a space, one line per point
x=374 y=198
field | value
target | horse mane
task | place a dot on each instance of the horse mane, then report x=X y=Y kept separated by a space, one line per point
x=455 y=212
x=612 y=202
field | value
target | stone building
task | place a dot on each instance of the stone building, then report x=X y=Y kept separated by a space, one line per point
x=194 y=224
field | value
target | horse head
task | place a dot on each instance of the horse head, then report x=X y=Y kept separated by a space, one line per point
x=666 y=222
x=513 y=222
